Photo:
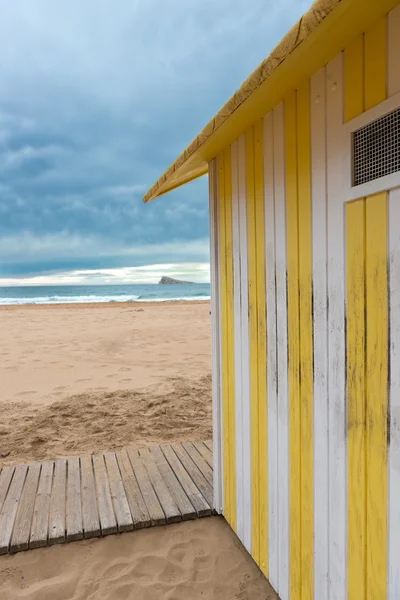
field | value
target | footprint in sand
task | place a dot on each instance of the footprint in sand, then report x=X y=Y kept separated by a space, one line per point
x=60 y=388
x=27 y=393
x=82 y=380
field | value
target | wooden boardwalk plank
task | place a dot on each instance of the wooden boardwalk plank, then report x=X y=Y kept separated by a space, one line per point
x=137 y=505
x=74 y=504
x=68 y=499
x=40 y=521
x=10 y=507
x=205 y=453
x=197 y=476
x=26 y=506
x=108 y=521
x=199 y=461
x=156 y=513
x=172 y=512
x=58 y=503
x=118 y=494
x=91 y=523
x=177 y=492
x=196 y=498
x=5 y=480
x=209 y=445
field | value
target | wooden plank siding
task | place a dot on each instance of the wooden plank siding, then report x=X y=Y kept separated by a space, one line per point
x=224 y=195
x=393 y=248
x=316 y=333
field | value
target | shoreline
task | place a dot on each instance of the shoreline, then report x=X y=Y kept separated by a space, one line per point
x=92 y=305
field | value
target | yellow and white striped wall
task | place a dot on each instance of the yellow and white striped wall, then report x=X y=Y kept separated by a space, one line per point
x=306 y=346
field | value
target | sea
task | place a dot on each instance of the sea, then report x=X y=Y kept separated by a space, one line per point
x=81 y=294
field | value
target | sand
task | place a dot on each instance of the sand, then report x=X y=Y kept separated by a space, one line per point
x=77 y=379
x=82 y=378
x=194 y=560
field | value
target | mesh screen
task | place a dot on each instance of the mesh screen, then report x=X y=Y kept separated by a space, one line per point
x=376 y=150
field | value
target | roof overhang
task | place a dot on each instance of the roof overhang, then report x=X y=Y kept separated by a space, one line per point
x=323 y=31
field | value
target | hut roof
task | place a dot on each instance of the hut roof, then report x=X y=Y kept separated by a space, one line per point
x=319 y=35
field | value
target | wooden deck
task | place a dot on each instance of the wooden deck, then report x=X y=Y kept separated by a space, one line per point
x=58 y=501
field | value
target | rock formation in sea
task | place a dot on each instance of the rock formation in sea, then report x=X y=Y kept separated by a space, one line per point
x=169 y=280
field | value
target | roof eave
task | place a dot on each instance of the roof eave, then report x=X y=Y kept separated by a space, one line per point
x=272 y=80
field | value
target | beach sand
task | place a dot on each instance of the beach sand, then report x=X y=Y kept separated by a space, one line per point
x=194 y=560
x=84 y=378
x=77 y=379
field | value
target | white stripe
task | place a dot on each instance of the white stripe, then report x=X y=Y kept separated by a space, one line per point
x=237 y=338
x=245 y=344
x=281 y=301
x=320 y=336
x=393 y=70
x=215 y=337
x=272 y=398
x=336 y=334
x=394 y=399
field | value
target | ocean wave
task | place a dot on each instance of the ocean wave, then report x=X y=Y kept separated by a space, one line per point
x=66 y=300
x=93 y=299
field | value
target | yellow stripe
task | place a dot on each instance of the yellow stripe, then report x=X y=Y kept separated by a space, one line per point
x=354 y=79
x=355 y=339
x=293 y=346
x=354 y=100
x=262 y=346
x=375 y=64
x=253 y=336
x=224 y=335
x=376 y=336
x=226 y=285
x=377 y=374
x=230 y=325
x=306 y=341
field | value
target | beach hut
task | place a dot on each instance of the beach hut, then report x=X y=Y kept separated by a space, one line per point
x=304 y=191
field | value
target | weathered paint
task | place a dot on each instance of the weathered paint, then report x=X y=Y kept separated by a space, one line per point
x=393 y=516
x=282 y=350
x=237 y=341
x=354 y=102
x=375 y=63
x=393 y=563
x=226 y=293
x=216 y=337
x=355 y=340
x=292 y=244
x=253 y=336
x=306 y=352
x=322 y=468
x=376 y=363
x=271 y=337
x=261 y=345
x=246 y=420
x=320 y=336
x=376 y=360
x=336 y=332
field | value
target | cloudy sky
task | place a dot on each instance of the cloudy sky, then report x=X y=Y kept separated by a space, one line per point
x=97 y=98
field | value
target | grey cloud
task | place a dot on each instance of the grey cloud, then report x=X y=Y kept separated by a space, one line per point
x=96 y=100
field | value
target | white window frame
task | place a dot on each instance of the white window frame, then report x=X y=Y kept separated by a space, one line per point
x=388 y=182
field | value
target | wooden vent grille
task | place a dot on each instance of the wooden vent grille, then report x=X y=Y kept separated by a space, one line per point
x=376 y=149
